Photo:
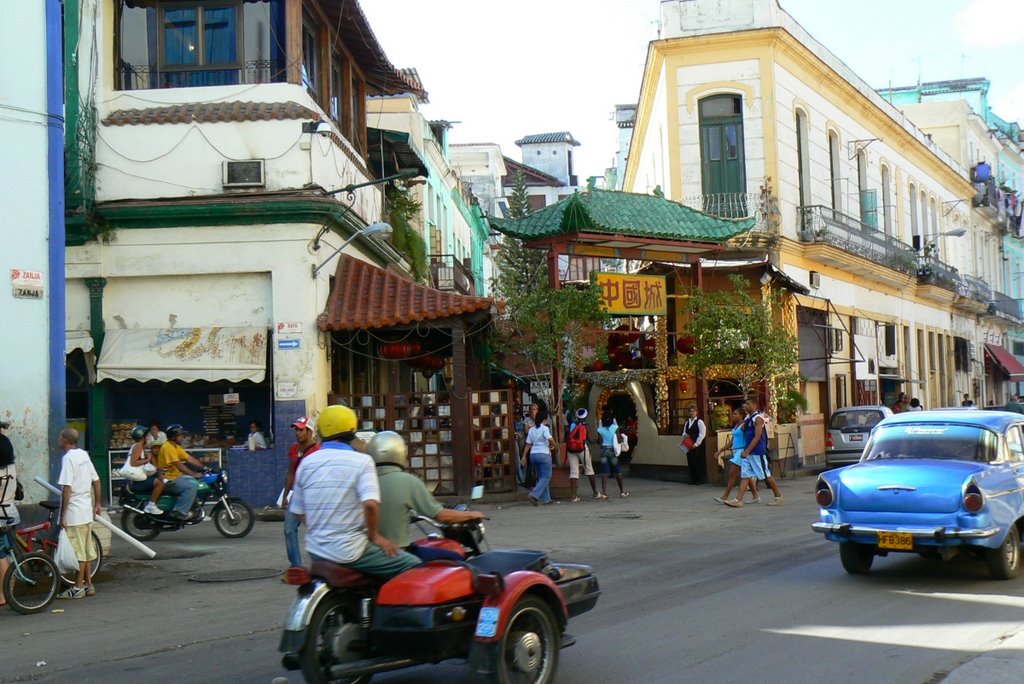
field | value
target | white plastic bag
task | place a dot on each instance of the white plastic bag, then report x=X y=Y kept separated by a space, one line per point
x=64 y=556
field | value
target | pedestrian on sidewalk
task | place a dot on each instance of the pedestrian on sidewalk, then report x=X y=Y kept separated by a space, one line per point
x=539 y=447
x=756 y=433
x=80 y=500
x=577 y=453
x=305 y=444
x=8 y=498
x=609 y=431
x=737 y=443
x=696 y=431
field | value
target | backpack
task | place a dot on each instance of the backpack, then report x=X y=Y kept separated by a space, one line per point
x=577 y=441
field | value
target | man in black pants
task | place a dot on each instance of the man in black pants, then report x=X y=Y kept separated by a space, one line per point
x=696 y=463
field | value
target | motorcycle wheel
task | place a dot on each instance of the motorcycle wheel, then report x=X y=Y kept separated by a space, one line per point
x=130 y=524
x=327 y=627
x=245 y=519
x=530 y=646
x=69 y=577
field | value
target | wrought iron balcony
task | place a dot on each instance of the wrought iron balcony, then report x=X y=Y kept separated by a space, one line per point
x=977 y=289
x=762 y=206
x=1005 y=307
x=820 y=224
x=449 y=274
x=934 y=271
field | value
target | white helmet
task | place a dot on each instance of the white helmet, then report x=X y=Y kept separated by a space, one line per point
x=388 y=448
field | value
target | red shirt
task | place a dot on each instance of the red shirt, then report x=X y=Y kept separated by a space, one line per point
x=295 y=457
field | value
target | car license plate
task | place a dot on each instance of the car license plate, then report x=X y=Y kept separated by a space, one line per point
x=897 y=541
x=856 y=438
x=487 y=624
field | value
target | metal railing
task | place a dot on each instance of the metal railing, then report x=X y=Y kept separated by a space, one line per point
x=931 y=269
x=762 y=207
x=448 y=273
x=821 y=224
x=976 y=288
x=1005 y=305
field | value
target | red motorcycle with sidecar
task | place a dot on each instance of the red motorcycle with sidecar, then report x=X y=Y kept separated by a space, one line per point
x=505 y=611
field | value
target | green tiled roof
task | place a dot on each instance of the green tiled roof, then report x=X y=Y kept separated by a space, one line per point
x=626 y=214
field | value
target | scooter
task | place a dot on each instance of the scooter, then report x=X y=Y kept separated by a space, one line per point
x=232 y=517
x=505 y=611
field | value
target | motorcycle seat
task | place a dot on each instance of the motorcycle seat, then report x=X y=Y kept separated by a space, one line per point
x=50 y=505
x=504 y=561
x=339 y=576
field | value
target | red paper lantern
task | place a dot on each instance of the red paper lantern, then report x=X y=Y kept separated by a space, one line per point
x=649 y=347
x=598 y=365
x=622 y=356
x=685 y=345
x=399 y=350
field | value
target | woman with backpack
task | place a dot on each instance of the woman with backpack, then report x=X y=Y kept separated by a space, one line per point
x=577 y=453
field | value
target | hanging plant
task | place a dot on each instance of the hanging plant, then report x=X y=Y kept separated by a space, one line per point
x=402 y=212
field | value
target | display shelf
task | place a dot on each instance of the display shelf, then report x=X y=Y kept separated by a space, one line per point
x=491 y=438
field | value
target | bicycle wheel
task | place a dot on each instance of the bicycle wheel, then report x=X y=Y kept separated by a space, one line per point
x=69 y=577
x=31 y=583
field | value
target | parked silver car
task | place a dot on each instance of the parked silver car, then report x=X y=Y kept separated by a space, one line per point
x=848 y=431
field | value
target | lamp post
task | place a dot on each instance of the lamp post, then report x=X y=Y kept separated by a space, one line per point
x=352 y=187
x=372 y=229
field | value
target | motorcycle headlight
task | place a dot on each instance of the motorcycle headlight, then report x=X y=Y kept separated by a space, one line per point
x=224 y=476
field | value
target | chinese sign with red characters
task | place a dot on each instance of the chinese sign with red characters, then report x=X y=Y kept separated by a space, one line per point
x=635 y=295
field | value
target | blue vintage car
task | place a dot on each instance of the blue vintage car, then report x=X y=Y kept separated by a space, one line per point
x=933 y=483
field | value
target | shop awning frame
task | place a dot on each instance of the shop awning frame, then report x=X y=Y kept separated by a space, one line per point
x=213 y=353
x=1006 y=361
x=78 y=339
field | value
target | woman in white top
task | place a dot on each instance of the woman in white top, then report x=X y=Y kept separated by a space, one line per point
x=256 y=442
x=8 y=488
x=539 y=446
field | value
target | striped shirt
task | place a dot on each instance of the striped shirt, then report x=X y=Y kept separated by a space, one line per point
x=330 y=488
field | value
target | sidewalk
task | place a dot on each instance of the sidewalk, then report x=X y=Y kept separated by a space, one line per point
x=1003 y=663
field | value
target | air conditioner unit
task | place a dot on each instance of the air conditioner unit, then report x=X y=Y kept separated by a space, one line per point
x=243 y=174
x=973 y=351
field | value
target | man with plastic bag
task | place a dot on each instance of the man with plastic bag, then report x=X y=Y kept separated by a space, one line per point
x=80 y=499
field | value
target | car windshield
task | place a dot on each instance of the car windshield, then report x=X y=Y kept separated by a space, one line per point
x=952 y=442
x=857 y=418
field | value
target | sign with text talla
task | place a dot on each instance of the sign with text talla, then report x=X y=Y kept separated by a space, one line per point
x=633 y=295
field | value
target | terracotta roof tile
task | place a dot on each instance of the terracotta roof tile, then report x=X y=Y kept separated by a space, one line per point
x=210 y=112
x=365 y=297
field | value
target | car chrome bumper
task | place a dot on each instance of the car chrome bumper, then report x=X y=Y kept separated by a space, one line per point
x=937 y=534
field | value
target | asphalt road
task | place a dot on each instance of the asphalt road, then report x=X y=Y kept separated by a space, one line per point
x=693 y=591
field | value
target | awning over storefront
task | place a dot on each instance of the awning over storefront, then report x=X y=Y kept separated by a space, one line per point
x=366 y=297
x=77 y=339
x=391 y=151
x=188 y=354
x=1006 y=361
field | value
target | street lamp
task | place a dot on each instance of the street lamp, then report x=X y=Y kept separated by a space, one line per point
x=352 y=187
x=956 y=232
x=383 y=229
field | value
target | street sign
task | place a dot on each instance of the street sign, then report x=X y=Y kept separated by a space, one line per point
x=289 y=344
x=289 y=328
x=26 y=284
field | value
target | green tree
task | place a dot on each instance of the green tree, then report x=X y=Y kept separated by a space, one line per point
x=735 y=333
x=402 y=211
x=544 y=324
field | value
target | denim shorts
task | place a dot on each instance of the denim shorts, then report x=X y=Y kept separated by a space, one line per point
x=609 y=461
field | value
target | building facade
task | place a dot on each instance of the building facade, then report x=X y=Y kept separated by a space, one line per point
x=742 y=113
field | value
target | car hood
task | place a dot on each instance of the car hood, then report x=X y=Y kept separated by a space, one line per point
x=907 y=485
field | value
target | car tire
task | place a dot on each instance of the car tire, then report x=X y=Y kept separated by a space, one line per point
x=1004 y=561
x=856 y=558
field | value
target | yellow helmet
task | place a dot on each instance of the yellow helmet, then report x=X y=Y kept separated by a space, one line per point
x=335 y=421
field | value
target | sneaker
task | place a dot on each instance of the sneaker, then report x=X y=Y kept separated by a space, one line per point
x=622 y=494
x=72 y=593
x=756 y=500
x=152 y=508
x=718 y=499
x=777 y=501
x=534 y=500
x=733 y=503
x=90 y=590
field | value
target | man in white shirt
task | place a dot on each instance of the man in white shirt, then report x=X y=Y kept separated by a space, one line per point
x=80 y=499
x=337 y=495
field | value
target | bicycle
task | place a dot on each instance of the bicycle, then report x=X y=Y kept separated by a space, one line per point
x=32 y=580
x=32 y=538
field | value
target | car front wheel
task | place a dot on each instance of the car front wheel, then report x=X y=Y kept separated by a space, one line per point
x=1004 y=561
x=856 y=558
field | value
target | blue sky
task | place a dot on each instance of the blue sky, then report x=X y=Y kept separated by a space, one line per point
x=504 y=70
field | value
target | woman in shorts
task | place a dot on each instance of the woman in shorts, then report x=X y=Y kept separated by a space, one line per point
x=609 y=461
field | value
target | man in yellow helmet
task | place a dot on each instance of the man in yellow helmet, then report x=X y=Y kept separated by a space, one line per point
x=337 y=495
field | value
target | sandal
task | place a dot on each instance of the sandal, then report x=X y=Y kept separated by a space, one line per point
x=623 y=494
x=575 y=499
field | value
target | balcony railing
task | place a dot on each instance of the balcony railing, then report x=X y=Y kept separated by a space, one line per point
x=1005 y=306
x=735 y=205
x=448 y=273
x=934 y=271
x=820 y=224
x=976 y=288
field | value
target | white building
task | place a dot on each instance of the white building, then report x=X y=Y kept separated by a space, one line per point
x=31 y=134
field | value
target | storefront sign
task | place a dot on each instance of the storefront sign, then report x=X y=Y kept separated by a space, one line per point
x=231 y=399
x=287 y=390
x=634 y=295
x=289 y=328
x=289 y=344
x=26 y=284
